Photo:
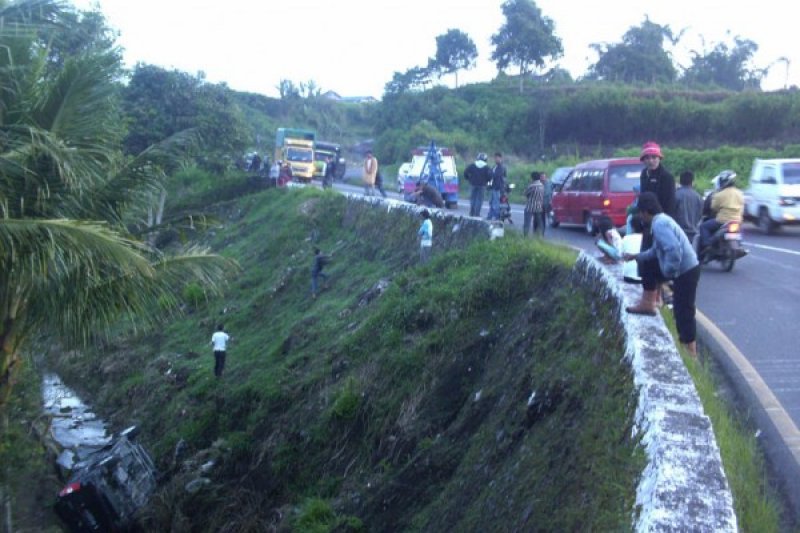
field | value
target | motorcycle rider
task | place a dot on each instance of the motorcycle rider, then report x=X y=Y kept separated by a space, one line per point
x=728 y=204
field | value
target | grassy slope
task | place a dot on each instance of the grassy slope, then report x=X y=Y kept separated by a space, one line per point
x=414 y=410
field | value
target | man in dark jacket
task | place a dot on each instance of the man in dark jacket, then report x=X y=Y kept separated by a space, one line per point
x=478 y=175
x=656 y=179
x=320 y=261
x=688 y=206
x=498 y=186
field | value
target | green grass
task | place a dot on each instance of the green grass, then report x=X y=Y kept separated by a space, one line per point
x=421 y=397
x=757 y=506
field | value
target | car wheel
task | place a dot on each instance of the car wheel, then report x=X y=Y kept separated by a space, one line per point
x=589 y=224
x=765 y=222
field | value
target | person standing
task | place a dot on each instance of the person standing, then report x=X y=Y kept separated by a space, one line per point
x=675 y=260
x=478 y=174
x=320 y=261
x=285 y=175
x=688 y=206
x=534 y=206
x=657 y=180
x=370 y=173
x=274 y=172
x=379 y=183
x=498 y=186
x=548 y=197
x=425 y=234
x=330 y=169
x=219 y=341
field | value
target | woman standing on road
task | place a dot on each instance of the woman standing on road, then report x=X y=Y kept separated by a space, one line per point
x=658 y=181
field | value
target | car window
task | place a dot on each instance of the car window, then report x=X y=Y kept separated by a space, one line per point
x=791 y=173
x=575 y=181
x=594 y=181
x=768 y=177
x=623 y=178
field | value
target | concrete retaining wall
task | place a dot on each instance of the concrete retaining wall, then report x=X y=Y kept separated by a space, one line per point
x=683 y=487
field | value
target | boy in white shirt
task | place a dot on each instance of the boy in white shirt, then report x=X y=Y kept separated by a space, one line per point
x=219 y=340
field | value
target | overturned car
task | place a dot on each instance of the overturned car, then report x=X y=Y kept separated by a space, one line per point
x=108 y=487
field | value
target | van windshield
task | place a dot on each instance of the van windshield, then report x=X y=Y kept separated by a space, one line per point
x=791 y=174
x=623 y=178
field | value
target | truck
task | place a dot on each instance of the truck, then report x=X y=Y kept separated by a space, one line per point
x=296 y=146
x=436 y=167
x=772 y=198
x=323 y=149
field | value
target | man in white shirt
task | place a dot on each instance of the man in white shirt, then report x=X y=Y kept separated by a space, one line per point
x=219 y=340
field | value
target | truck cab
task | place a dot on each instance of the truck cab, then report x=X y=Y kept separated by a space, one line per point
x=296 y=146
x=322 y=150
x=773 y=197
x=436 y=167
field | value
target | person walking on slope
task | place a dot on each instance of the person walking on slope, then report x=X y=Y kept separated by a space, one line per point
x=675 y=260
x=320 y=261
x=498 y=186
x=219 y=340
x=534 y=206
x=657 y=180
x=478 y=174
x=688 y=206
x=425 y=234
x=370 y=173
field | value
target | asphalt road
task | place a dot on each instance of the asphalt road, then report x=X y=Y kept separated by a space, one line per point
x=757 y=305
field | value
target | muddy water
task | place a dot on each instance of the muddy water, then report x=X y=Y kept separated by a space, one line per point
x=76 y=430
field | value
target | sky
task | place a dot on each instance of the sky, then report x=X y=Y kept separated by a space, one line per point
x=353 y=47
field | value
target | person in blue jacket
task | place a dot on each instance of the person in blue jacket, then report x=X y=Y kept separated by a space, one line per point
x=675 y=260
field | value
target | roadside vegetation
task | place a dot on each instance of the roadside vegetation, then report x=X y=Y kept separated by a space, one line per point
x=758 y=506
x=415 y=398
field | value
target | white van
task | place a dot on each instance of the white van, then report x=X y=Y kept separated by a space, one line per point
x=773 y=197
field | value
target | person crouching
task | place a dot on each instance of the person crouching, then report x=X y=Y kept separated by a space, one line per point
x=676 y=260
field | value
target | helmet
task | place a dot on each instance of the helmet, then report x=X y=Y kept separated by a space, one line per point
x=482 y=157
x=725 y=178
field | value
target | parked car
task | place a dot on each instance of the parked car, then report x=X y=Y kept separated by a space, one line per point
x=773 y=197
x=436 y=166
x=595 y=188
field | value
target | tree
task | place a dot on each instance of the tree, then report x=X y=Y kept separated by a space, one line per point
x=68 y=265
x=639 y=57
x=526 y=39
x=454 y=51
x=413 y=79
x=725 y=67
x=160 y=103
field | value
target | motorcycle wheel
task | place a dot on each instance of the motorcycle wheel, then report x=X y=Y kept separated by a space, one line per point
x=728 y=259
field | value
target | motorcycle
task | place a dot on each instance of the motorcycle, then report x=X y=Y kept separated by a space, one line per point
x=505 y=205
x=725 y=247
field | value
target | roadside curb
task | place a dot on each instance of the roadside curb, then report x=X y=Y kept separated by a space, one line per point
x=781 y=437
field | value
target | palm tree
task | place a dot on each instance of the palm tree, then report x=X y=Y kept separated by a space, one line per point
x=67 y=263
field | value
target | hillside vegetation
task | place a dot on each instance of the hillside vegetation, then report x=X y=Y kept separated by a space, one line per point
x=482 y=391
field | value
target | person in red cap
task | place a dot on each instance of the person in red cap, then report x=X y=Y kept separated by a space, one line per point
x=658 y=180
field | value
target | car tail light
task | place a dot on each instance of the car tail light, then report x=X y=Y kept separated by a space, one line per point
x=606 y=202
x=734 y=227
x=69 y=489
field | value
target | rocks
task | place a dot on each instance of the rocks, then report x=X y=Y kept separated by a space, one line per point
x=373 y=293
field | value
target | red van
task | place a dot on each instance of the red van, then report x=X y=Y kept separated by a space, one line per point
x=595 y=188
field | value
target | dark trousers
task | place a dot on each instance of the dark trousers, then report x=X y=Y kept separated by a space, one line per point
x=315 y=280
x=535 y=219
x=683 y=304
x=476 y=201
x=707 y=230
x=219 y=363
x=684 y=293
